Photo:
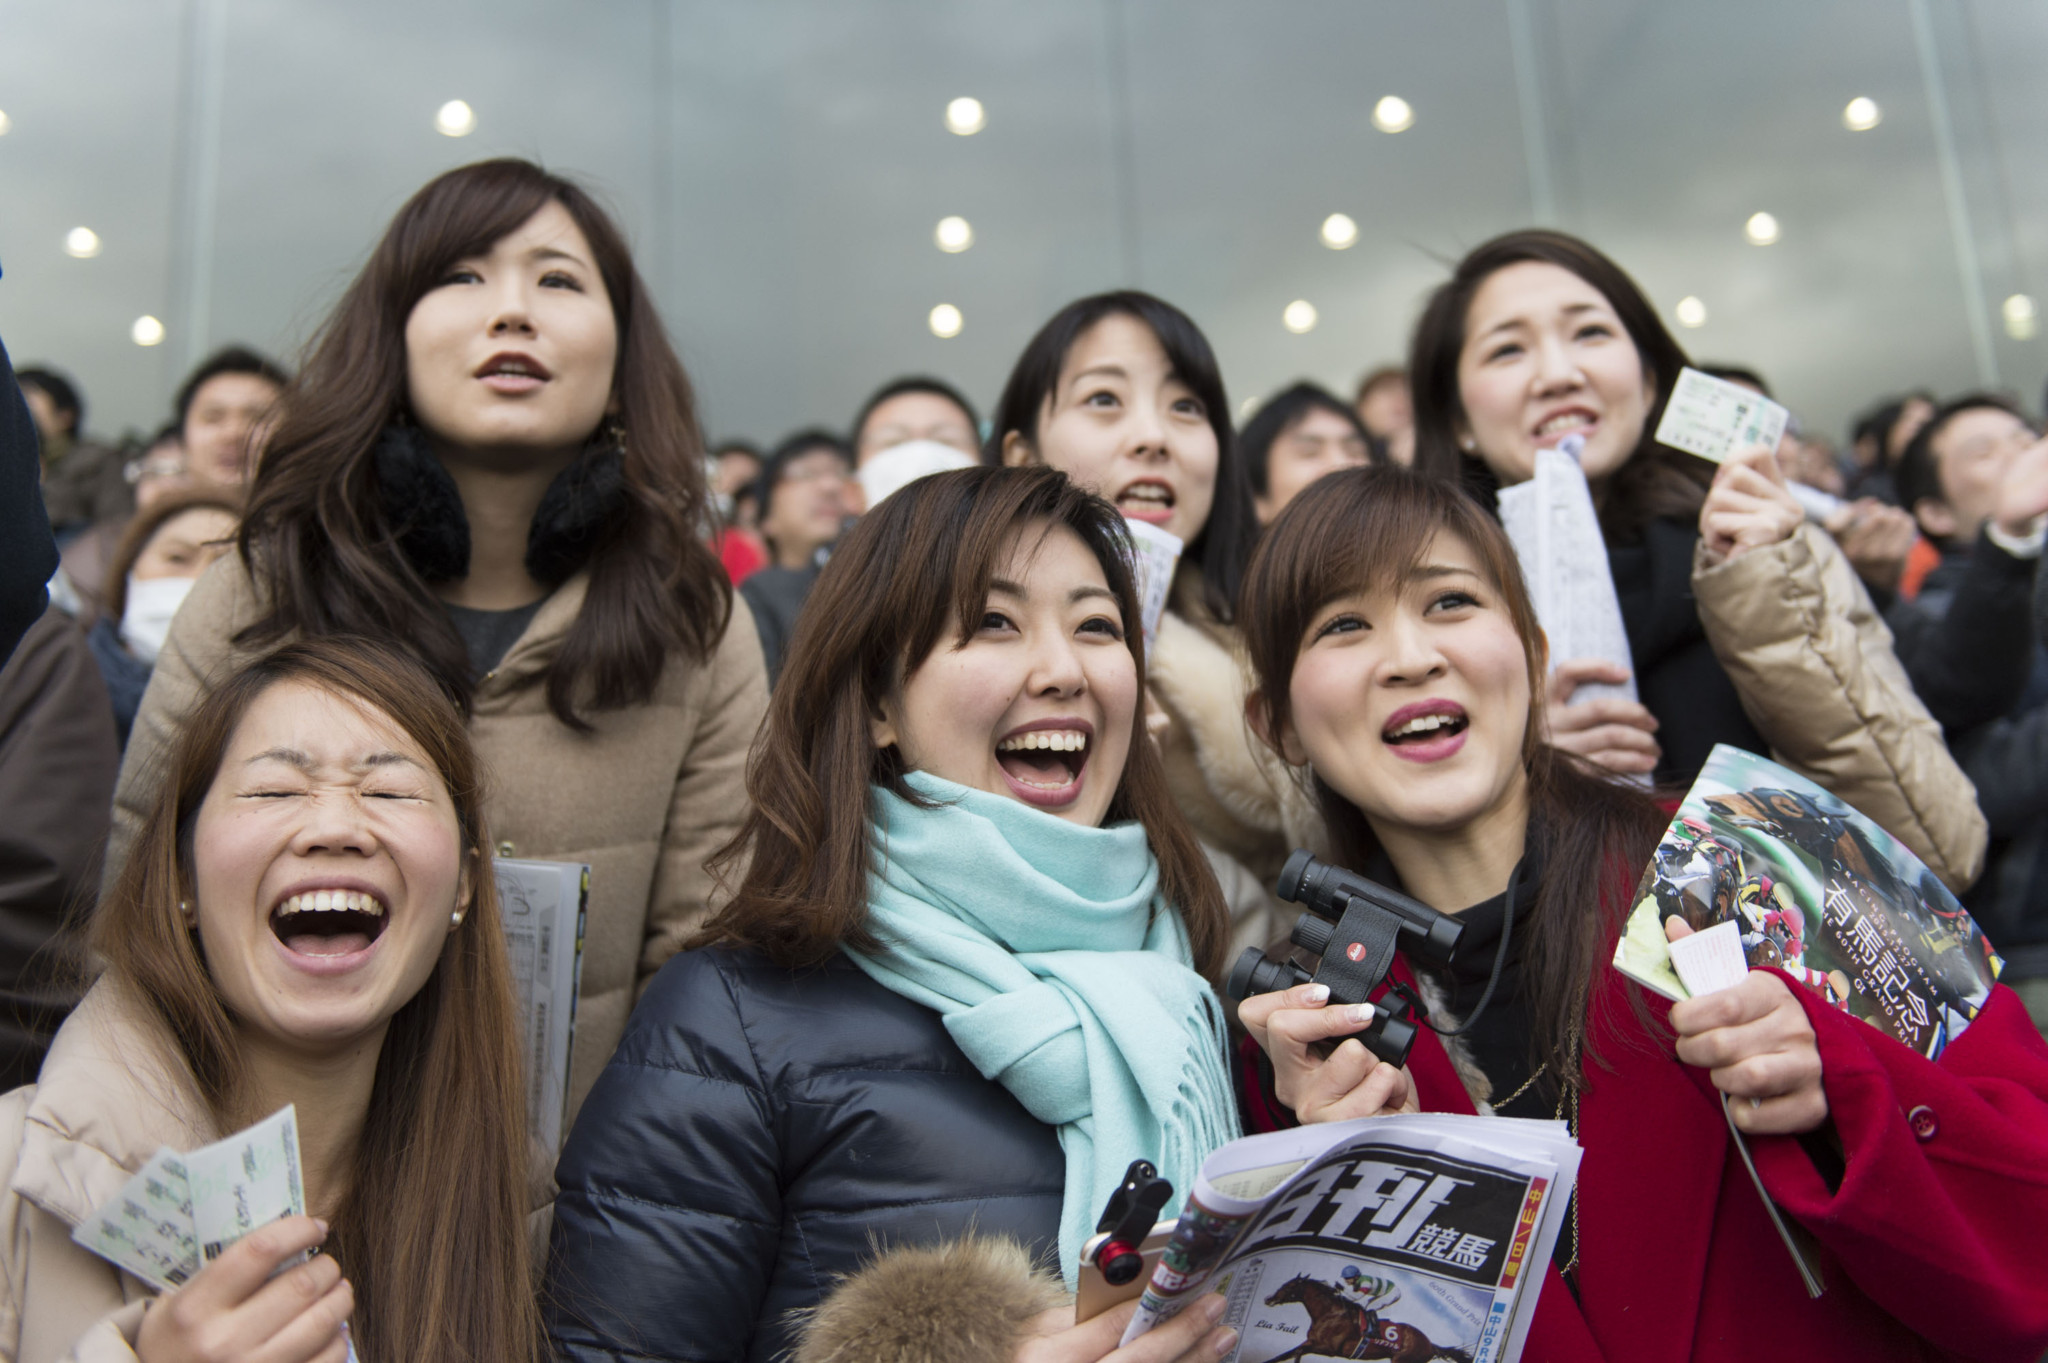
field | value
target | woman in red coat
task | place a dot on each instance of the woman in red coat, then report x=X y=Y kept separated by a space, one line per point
x=1399 y=665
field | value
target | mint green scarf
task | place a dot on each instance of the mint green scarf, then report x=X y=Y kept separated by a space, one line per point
x=1061 y=974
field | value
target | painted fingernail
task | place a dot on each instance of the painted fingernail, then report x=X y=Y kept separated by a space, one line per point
x=1316 y=993
x=1362 y=1013
x=1226 y=1340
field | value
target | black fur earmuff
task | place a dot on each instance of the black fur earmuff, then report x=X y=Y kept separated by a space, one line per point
x=422 y=505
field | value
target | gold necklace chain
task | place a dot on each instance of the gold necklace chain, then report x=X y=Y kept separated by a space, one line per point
x=1524 y=1088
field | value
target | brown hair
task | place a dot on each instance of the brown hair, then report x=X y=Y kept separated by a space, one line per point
x=149 y=520
x=432 y=1230
x=1654 y=481
x=912 y=575
x=1364 y=527
x=317 y=539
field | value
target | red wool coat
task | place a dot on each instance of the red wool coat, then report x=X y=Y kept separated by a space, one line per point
x=1934 y=1246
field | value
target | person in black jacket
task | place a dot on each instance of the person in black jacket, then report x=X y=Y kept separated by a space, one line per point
x=28 y=551
x=1976 y=479
x=960 y=987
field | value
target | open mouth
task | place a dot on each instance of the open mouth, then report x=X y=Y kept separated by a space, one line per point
x=512 y=372
x=1147 y=500
x=328 y=922
x=1044 y=765
x=1426 y=731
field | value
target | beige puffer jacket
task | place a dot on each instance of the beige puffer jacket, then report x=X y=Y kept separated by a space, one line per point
x=1813 y=664
x=110 y=1095
x=644 y=799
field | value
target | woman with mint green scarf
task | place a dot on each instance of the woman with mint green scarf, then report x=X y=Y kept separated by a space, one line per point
x=963 y=982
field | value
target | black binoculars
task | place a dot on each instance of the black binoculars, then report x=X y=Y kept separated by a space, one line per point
x=1353 y=926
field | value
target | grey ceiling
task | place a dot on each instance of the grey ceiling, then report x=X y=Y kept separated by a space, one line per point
x=780 y=165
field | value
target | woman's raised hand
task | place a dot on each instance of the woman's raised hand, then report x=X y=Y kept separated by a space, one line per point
x=1749 y=506
x=1610 y=731
x=1190 y=1337
x=233 y=1311
x=1349 y=1082
x=1754 y=1041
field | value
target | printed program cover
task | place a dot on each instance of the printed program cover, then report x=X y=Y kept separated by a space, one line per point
x=1818 y=891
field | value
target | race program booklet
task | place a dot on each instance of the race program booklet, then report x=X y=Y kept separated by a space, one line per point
x=1810 y=886
x=1410 y=1236
x=543 y=905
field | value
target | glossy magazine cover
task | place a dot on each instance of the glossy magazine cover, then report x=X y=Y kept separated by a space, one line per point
x=1818 y=891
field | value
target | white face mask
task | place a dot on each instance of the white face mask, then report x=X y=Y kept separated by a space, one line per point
x=898 y=465
x=146 y=623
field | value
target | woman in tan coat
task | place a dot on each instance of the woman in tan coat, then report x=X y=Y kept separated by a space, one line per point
x=490 y=460
x=305 y=917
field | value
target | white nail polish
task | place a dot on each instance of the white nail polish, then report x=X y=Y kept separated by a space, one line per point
x=1318 y=993
x=1362 y=1013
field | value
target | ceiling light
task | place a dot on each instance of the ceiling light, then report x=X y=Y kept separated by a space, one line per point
x=1299 y=316
x=1690 y=312
x=1393 y=115
x=5 y=123
x=965 y=116
x=81 y=243
x=2021 y=317
x=455 y=119
x=953 y=235
x=1861 y=114
x=146 y=331
x=1761 y=229
x=945 y=321
x=1339 y=232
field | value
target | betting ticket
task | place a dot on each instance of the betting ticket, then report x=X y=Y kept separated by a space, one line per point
x=1155 y=555
x=181 y=1210
x=1714 y=419
x=147 y=1227
x=1710 y=959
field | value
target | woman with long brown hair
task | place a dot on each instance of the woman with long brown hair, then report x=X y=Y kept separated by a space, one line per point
x=1400 y=668
x=491 y=461
x=963 y=983
x=1746 y=625
x=306 y=916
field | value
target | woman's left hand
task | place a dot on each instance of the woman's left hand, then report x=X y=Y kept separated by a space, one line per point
x=1349 y=1082
x=1749 y=506
x=1758 y=1048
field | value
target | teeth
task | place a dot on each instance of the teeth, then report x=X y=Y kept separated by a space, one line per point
x=1422 y=724
x=332 y=901
x=1051 y=740
x=1563 y=421
x=1147 y=492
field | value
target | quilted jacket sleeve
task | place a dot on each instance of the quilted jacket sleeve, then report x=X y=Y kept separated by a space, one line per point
x=669 y=1215
x=1939 y=1211
x=1814 y=666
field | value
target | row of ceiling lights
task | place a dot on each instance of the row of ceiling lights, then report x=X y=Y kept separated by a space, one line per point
x=966 y=116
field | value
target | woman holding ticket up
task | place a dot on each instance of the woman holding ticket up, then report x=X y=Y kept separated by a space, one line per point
x=1399 y=667
x=306 y=929
x=1745 y=624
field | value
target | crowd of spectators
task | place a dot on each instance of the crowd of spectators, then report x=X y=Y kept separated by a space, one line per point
x=875 y=774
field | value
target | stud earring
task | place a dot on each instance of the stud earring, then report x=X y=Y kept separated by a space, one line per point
x=1468 y=444
x=455 y=919
x=185 y=912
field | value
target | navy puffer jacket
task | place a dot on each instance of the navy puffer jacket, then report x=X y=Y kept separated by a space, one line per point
x=759 y=1133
